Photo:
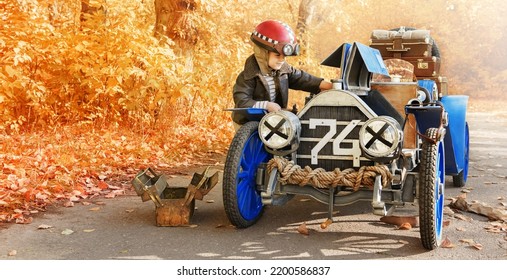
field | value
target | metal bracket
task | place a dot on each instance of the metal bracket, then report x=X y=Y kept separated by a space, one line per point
x=267 y=196
x=379 y=207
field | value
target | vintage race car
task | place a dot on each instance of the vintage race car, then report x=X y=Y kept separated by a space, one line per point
x=382 y=134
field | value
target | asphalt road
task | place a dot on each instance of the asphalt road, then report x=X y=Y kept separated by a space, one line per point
x=124 y=227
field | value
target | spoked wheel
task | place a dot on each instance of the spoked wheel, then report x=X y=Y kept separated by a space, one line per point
x=431 y=197
x=242 y=201
x=461 y=179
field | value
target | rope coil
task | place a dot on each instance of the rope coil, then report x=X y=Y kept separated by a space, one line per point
x=293 y=174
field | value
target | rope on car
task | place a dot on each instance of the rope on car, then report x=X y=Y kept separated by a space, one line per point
x=294 y=174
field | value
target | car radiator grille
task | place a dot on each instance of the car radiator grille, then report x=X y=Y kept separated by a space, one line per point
x=310 y=137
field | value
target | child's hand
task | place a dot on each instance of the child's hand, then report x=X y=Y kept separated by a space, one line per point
x=273 y=107
x=325 y=85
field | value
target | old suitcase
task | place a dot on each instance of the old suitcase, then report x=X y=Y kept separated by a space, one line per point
x=401 y=44
x=425 y=66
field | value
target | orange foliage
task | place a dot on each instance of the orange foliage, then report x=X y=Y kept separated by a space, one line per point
x=83 y=104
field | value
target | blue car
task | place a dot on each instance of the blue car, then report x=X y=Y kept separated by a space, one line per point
x=387 y=133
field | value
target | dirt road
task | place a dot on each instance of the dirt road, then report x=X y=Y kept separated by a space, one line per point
x=124 y=227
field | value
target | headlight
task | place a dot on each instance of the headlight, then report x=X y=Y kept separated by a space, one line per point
x=279 y=129
x=380 y=137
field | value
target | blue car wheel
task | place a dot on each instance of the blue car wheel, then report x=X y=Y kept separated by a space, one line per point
x=242 y=201
x=461 y=179
x=431 y=191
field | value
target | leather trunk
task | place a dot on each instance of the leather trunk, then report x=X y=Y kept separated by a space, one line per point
x=425 y=66
x=401 y=48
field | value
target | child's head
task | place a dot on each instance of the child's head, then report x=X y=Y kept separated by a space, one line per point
x=277 y=37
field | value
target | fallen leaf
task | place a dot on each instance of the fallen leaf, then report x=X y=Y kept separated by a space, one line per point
x=491 y=212
x=448 y=211
x=460 y=229
x=303 y=229
x=102 y=185
x=68 y=204
x=67 y=232
x=477 y=246
x=43 y=226
x=88 y=230
x=405 y=226
x=85 y=203
x=12 y=253
x=460 y=204
x=400 y=220
x=129 y=210
x=468 y=241
x=326 y=223
x=446 y=223
x=24 y=220
x=447 y=243
x=110 y=195
x=462 y=217
x=95 y=209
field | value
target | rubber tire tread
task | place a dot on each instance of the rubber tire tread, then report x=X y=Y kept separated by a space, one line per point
x=428 y=176
x=232 y=162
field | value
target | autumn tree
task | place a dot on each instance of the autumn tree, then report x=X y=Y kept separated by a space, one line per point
x=174 y=19
x=305 y=15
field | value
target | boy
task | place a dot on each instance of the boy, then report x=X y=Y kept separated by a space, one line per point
x=266 y=79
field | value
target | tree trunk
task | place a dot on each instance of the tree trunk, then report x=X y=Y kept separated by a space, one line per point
x=174 y=20
x=305 y=16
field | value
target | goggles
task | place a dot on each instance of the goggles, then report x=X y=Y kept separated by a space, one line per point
x=288 y=49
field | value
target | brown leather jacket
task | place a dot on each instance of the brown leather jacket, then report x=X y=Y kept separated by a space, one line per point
x=251 y=86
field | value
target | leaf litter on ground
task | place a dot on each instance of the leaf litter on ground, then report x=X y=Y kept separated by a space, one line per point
x=77 y=163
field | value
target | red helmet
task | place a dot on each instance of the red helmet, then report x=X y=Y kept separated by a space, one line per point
x=275 y=36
